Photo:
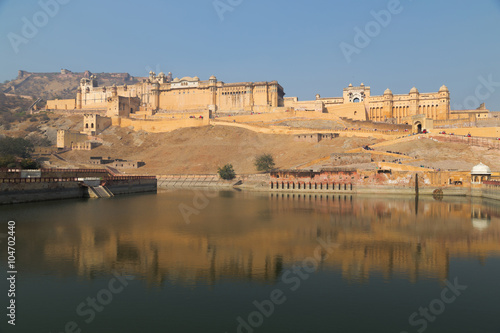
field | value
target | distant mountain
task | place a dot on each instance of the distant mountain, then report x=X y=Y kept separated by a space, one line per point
x=62 y=85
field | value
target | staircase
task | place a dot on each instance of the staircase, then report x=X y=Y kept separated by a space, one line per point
x=100 y=192
x=33 y=105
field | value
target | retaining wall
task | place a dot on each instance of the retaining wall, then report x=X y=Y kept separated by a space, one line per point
x=30 y=192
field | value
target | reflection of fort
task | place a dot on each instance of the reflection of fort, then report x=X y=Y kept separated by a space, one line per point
x=148 y=237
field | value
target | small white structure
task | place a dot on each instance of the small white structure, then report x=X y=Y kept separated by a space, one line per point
x=480 y=173
x=31 y=173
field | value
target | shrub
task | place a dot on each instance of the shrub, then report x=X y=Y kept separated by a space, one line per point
x=227 y=172
x=18 y=147
x=32 y=128
x=28 y=163
x=264 y=162
x=7 y=161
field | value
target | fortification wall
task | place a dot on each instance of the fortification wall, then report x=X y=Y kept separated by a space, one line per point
x=354 y=111
x=491 y=132
x=160 y=126
x=61 y=104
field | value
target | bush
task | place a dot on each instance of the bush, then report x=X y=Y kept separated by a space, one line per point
x=28 y=163
x=39 y=140
x=227 y=172
x=264 y=162
x=32 y=128
x=16 y=147
x=7 y=161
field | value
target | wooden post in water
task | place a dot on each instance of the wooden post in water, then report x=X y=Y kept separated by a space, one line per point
x=416 y=184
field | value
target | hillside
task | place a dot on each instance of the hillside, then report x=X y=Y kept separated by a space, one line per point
x=61 y=85
x=202 y=150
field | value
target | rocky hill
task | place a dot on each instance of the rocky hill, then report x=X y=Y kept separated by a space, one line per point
x=62 y=85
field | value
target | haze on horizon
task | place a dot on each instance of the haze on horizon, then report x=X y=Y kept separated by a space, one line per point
x=309 y=47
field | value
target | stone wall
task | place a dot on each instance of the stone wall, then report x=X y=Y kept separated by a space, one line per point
x=30 y=192
x=346 y=159
x=61 y=104
x=160 y=126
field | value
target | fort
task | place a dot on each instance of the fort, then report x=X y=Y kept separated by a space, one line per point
x=160 y=104
x=162 y=93
x=164 y=100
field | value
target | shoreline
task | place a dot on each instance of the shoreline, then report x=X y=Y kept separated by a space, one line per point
x=25 y=192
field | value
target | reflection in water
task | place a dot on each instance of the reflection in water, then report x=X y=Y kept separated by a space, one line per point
x=246 y=236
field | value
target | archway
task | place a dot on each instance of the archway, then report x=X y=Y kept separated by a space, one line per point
x=356 y=100
x=418 y=127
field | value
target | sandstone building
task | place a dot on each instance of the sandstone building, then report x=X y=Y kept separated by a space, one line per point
x=162 y=93
x=358 y=103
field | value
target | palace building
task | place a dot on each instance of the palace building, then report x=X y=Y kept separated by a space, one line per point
x=162 y=93
x=357 y=103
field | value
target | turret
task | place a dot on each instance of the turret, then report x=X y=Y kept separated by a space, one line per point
x=444 y=103
x=414 y=101
x=388 y=103
x=155 y=91
x=79 y=98
x=212 y=81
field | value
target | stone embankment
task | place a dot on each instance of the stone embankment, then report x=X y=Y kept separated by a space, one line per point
x=22 y=190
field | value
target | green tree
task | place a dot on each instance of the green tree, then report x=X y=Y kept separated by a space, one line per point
x=7 y=161
x=227 y=172
x=264 y=162
x=17 y=147
x=28 y=163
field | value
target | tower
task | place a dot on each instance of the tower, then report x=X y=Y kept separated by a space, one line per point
x=213 y=91
x=388 y=104
x=79 y=98
x=155 y=91
x=444 y=103
x=414 y=101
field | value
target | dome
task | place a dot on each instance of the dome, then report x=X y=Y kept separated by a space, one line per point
x=481 y=169
x=350 y=84
x=176 y=80
x=443 y=89
x=196 y=78
x=388 y=92
x=161 y=74
x=414 y=90
x=213 y=77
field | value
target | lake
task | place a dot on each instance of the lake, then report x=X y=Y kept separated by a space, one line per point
x=196 y=261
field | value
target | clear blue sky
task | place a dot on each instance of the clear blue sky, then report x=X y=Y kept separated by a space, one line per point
x=425 y=44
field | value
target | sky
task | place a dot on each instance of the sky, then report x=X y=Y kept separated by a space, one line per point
x=310 y=47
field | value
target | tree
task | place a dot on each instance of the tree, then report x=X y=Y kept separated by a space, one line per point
x=28 y=163
x=17 y=147
x=264 y=162
x=227 y=172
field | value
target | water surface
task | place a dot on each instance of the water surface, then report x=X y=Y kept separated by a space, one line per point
x=206 y=262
